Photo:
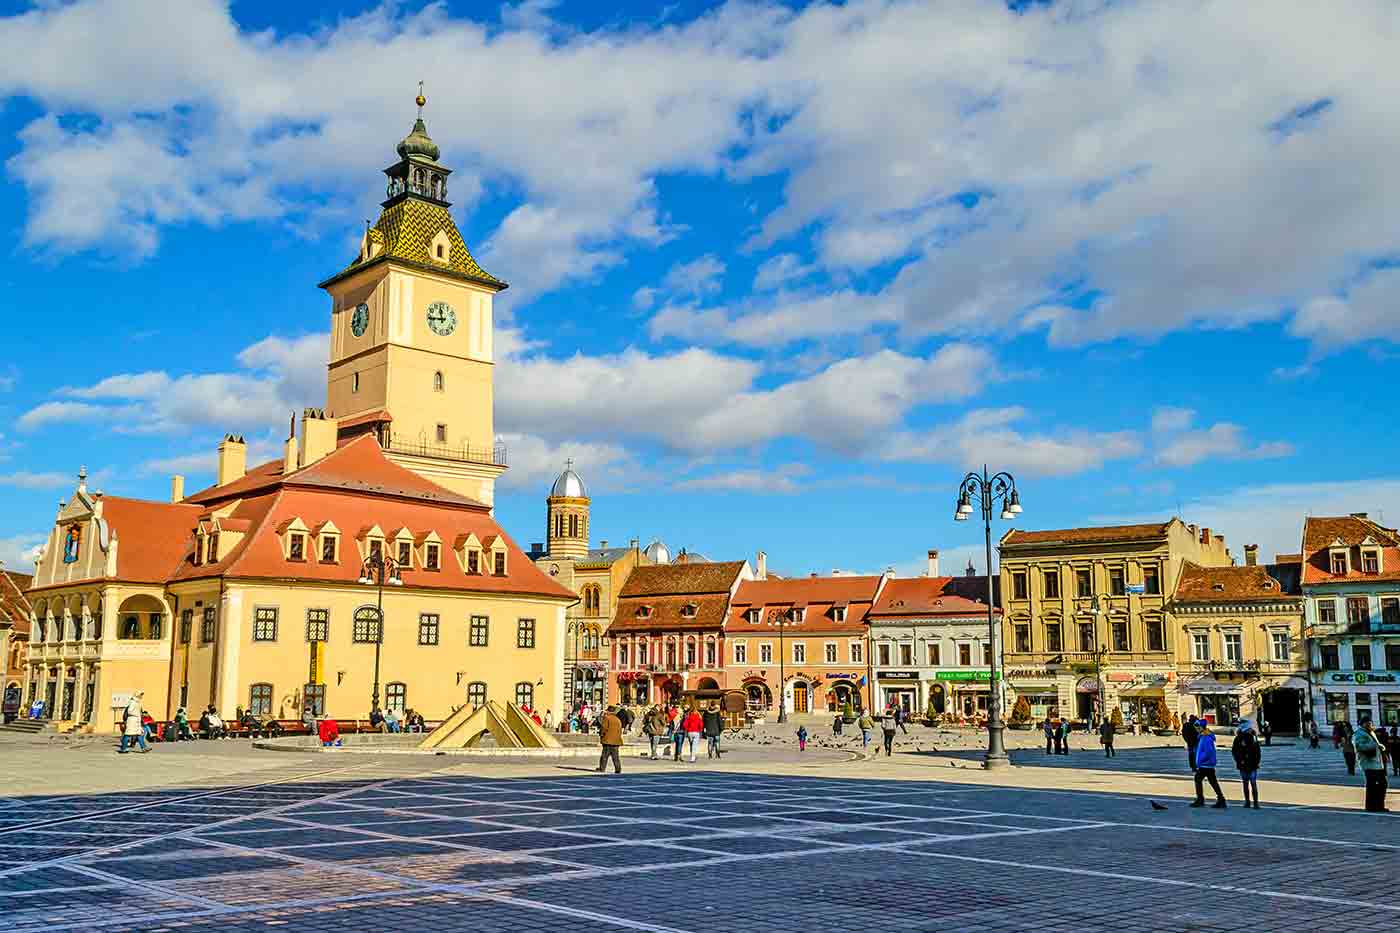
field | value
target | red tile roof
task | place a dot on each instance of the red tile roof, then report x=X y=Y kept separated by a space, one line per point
x=1260 y=583
x=666 y=613
x=817 y=595
x=152 y=537
x=14 y=605
x=1101 y=535
x=1319 y=534
x=925 y=596
x=682 y=579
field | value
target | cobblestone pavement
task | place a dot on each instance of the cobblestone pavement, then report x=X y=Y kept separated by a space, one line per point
x=411 y=845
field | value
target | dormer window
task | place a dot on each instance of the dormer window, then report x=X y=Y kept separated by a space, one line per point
x=754 y=615
x=430 y=557
x=1339 y=562
x=688 y=610
x=473 y=561
x=644 y=612
x=1371 y=560
x=500 y=563
x=797 y=614
x=198 y=551
x=212 y=551
x=376 y=549
x=838 y=613
x=296 y=546
x=330 y=549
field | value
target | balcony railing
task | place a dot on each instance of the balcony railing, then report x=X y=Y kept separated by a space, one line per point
x=399 y=443
x=1084 y=657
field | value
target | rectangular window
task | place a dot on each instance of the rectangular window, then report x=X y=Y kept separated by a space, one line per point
x=314 y=699
x=525 y=634
x=265 y=624
x=857 y=652
x=376 y=549
x=1361 y=657
x=430 y=557
x=1390 y=610
x=428 y=629
x=1120 y=636
x=765 y=653
x=329 y=549
x=1234 y=648
x=476 y=694
x=480 y=630
x=935 y=653
x=1053 y=637
x=405 y=555
x=1358 y=612
x=1083 y=583
x=1052 y=584
x=710 y=652
x=1331 y=658
x=442 y=434
x=1115 y=581
x=1023 y=638
x=1326 y=611
x=296 y=547
x=1370 y=562
x=500 y=563
x=366 y=628
x=318 y=625
x=689 y=654
x=622 y=654
x=965 y=655
x=1200 y=646
x=1018 y=585
x=1392 y=656
x=1156 y=635
x=1339 y=564
x=260 y=700
x=799 y=652
x=396 y=697
x=1086 y=637
x=1337 y=708
x=154 y=630
x=473 y=561
x=882 y=654
x=906 y=655
x=838 y=614
x=213 y=555
x=186 y=626
x=1278 y=646
x=208 y=626
x=641 y=652
x=1151 y=581
x=741 y=653
x=829 y=652
x=987 y=655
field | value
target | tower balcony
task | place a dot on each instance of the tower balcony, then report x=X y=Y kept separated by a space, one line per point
x=494 y=455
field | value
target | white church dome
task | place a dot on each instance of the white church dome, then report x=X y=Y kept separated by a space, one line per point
x=569 y=484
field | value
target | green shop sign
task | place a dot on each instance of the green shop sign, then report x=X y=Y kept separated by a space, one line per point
x=965 y=675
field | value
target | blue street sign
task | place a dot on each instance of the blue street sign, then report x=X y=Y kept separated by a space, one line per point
x=1138 y=588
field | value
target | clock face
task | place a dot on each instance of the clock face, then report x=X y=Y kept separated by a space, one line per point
x=359 y=320
x=441 y=318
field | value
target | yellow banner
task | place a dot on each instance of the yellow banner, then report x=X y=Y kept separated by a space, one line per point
x=318 y=663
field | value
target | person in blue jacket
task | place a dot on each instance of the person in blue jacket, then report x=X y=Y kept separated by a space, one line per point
x=1205 y=767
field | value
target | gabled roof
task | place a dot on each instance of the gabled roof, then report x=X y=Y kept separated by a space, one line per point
x=405 y=231
x=1260 y=583
x=666 y=613
x=682 y=579
x=932 y=596
x=1105 y=534
x=817 y=595
x=1320 y=534
x=14 y=605
x=152 y=537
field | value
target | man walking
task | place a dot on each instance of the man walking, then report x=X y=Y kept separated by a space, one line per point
x=1106 y=731
x=1205 y=767
x=610 y=737
x=1191 y=734
x=889 y=724
x=1345 y=736
x=1062 y=737
x=714 y=728
x=1371 y=755
x=1245 y=750
x=653 y=725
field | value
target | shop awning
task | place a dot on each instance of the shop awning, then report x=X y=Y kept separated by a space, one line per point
x=1142 y=690
x=1293 y=682
x=1208 y=684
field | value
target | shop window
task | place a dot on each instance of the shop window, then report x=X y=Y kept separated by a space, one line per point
x=428 y=629
x=396 y=697
x=525 y=633
x=1363 y=708
x=1338 y=709
x=1151 y=581
x=1023 y=638
x=1018 y=585
x=265 y=624
x=318 y=625
x=260 y=700
x=476 y=694
x=1156 y=635
x=524 y=694
x=1052 y=584
x=479 y=632
x=1330 y=657
x=1361 y=657
x=1054 y=637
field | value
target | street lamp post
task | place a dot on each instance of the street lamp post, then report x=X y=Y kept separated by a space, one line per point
x=1097 y=612
x=988 y=491
x=782 y=669
x=377 y=571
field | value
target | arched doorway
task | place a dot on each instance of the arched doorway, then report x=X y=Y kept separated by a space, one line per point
x=758 y=696
x=800 y=694
x=708 y=683
x=671 y=690
x=938 y=698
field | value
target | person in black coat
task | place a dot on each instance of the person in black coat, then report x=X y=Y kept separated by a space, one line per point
x=714 y=728
x=1245 y=750
x=1191 y=735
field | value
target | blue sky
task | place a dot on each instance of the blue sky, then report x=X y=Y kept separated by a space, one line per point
x=780 y=273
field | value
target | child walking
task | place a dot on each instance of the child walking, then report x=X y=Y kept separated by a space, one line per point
x=801 y=738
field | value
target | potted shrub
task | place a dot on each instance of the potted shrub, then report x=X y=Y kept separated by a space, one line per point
x=848 y=713
x=1163 y=721
x=1020 y=714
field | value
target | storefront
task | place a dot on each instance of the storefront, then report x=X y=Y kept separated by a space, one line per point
x=1217 y=701
x=1039 y=687
x=969 y=692
x=1086 y=698
x=842 y=689
x=899 y=688
x=1358 y=696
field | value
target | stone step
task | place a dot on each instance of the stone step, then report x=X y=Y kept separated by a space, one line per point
x=26 y=726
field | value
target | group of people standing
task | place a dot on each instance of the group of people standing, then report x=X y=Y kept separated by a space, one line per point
x=1056 y=736
x=667 y=728
x=1370 y=749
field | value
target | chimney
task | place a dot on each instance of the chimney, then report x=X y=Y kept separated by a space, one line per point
x=318 y=435
x=761 y=572
x=603 y=544
x=233 y=459
x=1205 y=535
x=1251 y=555
x=289 y=449
x=971 y=570
x=933 y=562
x=177 y=488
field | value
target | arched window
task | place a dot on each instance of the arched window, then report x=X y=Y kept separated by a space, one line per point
x=260 y=700
x=131 y=627
x=559 y=526
x=75 y=628
x=524 y=693
x=476 y=694
x=592 y=599
x=437 y=376
x=573 y=526
x=396 y=696
x=155 y=628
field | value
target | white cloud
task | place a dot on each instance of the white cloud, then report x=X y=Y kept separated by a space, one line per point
x=20 y=551
x=1168 y=419
x=535 y=463
x=61 y=412
x=988 y=436
x=29 y=480
x=1177 y=444
x=776 y=320
x=686 y=281
x=781 y=480
x=1369 y=310
x=780 y=270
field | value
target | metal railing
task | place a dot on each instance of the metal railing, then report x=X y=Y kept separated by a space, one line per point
x=419 y=447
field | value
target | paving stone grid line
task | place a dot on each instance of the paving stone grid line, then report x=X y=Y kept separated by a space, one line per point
x=396 y=848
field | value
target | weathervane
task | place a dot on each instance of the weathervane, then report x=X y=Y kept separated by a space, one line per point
x=421 y=100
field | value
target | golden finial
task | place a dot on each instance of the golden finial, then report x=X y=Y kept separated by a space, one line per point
x=420 y=99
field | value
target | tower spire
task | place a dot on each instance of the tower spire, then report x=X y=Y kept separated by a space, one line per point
x=420 y=100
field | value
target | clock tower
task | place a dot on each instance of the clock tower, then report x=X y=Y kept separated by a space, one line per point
x=411 y=333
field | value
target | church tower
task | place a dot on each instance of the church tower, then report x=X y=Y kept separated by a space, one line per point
x=567 y=532
x=411 y=333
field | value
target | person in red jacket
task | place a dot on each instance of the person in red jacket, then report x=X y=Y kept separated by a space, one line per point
x=692 y=725
x=329 y=731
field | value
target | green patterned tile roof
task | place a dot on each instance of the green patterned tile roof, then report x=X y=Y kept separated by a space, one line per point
x=406 y=229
